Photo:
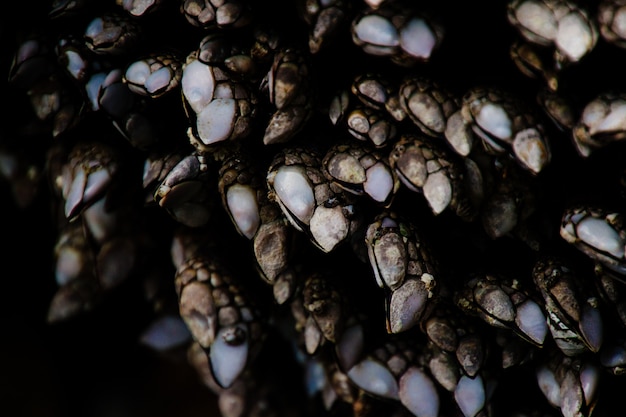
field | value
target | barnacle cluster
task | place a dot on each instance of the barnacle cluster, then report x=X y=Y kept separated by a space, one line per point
x=303 y=207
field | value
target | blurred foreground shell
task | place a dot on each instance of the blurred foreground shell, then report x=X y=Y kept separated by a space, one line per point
x=559 y=24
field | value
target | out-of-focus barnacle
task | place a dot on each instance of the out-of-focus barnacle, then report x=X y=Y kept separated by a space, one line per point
x=186 y=191
x=97 y=249
x=32 y=61
x=509 y=201
x=598 y=233
x=573 y=312
x=562 y=25
x=154 y=75
x=165 y=333
x=612 y=290
x=324 y=19
x=602 y=122
x=75 y=59
x=111 y=94
x=23 y=173
x=257 y=392
x=112 y=34
x=319 y=311
x=233 y=56
x=157 y=166
x=443 y=366
x=325 y=378
x=217 y=14
x=454 y=334
x=558 y=108
x=535 y=62
x=569 y=384
x=60 y=9
x=514 y=351
x=505 y=304
x=392 y=371
x=87 y=175
x=610 y=16
x=54 y=103
x=400 y=33
x=78 y=290
x=613 y=357
x=140 y=8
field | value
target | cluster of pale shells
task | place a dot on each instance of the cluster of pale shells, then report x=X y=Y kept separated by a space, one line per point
x=557 y=56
